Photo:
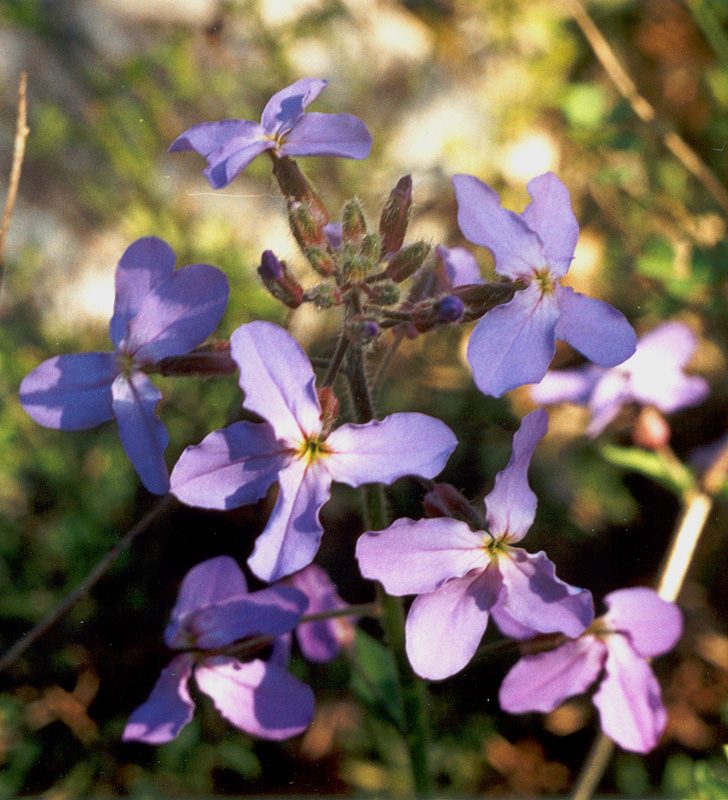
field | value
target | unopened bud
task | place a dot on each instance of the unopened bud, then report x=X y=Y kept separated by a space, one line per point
x=408 y=261
x=482 y=297
x=320 y=260
x=295 y=186
x=369 y=247
x=450 y=308
x=364 y=330
x=651 y=430
x=353 y=225
x=329 y=408
x=210 y=359
x=278 y=280
x=324 y=296
x=446 y=501
x=395 y=216
x=304 y=226
x=383 y=293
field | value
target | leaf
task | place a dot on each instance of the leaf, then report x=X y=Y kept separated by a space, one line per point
x=374 y=679
x=675 y=477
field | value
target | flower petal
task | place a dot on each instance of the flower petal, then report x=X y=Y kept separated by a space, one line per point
x=328 y=135
x=142 y=433
x=460 y=266
x=286 y=107
x=654 y=625
x=629 y=699
x=229 y=468
x=566 y=386
x=542 y=682
x=537 y=600
x=516 y=248
x=168 y=708
x=383 y=450
x=550 y=215
x=145 y=263
x=514 y=343
x=594 y=328
x=261 y=699
x=70 y=392
x=291 y=537
x=610 y=393
x=511 y=505
x=415 y=557
x=444 y=628
x=178 y=314
x=277 y=378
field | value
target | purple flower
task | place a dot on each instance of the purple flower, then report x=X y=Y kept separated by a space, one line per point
x=214 y=610
x=231 y=144
x=614 y=651
x=158 y=312
x=238 y=464
x=455 y=267
x=514 y=343
x=462 y=577
x=652 y=376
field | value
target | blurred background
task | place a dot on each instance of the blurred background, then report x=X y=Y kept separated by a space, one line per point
x=502 y=89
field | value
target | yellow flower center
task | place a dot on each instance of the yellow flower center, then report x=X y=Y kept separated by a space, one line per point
x=312 y=448
x=547 y=282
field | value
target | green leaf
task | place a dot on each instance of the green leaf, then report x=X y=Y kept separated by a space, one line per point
x=675 y=477
x=374 y=679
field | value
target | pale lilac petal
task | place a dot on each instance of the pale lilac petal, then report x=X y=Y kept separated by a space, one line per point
x=291 y=537
x=178 y=314
x=286 y=107
x=234 y=157
x=142 y=433
x=328 y=135
x=670 y=392
x=261 y=699
x=566 y=386
x=277 y=378
x=536 y=599
x=673 y=340
x=460 y=265
x=516 y=248
x=444 y=628
x=415 y=557
x=272 y=611
x=514 y=343
x=610 y=393
x=145 y=263
x=550 y=215
x=654 y=625
x=229 y=468
x=168 y=708
x=629 y=699
x=511 y=505
x=594 y=328
x=383 y=450
x=542 y=682
x=320 y=641
x=71 y=392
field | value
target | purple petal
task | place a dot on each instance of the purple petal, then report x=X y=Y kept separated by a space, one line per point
x=328 y=135
x=514 y=343
x=145 y=264
x=383 y=450
x=594 y=328
x=278 y=380
x=511 y=505
x=671 y=341
x=566 y=386
x=654 y=625
x=537 y=600
x=178 y=314
x=629 y=699
x=516 y=248
x=291 y=537
x=444 y=628
x=142 y=433
x=71 y=392
x=460 y=265
x=542 y=682
x=229 y=468
x=415 y=557
x=550 y=215
x=286 y=107
x=610 y=393
x=168 y=708
x=261 y=699
x=234 y=157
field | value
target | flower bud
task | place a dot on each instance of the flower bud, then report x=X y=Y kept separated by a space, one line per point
x=324 y=296
x=364 y=331
x=369 y=247
x=407 y=261
x=450 y=308
x=210 y=359
x=320 y=260
x=395 y=216
x=329 y=408
x=278 y=280
x=353 y=225
x=651 y=430
x=305 y=228
x=446 y=501
x=295 y=186
x=383 y=293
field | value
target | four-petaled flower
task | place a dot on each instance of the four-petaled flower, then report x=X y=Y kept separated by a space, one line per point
x=158 y=312
x=229 y=145
x=638 y=626
x=237 y=465
x=462 y=577
x=214 y=610
x=653 y=376
x=514 y=343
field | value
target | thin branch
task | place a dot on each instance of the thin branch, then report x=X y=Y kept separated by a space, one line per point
x=644 y=110
x=85 y=586
x=21 y=134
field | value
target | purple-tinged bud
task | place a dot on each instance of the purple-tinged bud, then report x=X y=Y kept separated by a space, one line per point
x=305 y=228
x=446 y=501
x=295 y=186
x=278 y=280
x=369 y=247
x=329 y=403
x=324 y=296
x=320 y=260
x=651 y=430
x=482 y=297
x=353 y=224
x=450 y=308
x=383 y=293
x=364 y=331
x=408 y=261
x=395 y=216
x=210 y=359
